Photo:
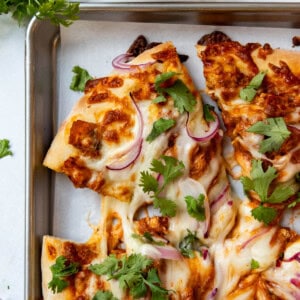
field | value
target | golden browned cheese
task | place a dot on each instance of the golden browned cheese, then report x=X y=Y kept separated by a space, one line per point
x=229 y=67
x=156 y=225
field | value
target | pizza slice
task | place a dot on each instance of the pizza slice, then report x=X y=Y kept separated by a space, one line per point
x=257 y=90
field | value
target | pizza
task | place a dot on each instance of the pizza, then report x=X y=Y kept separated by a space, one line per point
x=143 y=140
x=160 y=159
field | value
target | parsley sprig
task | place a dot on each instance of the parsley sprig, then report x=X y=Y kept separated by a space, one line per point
x=184 y=100
x=4 y=148
x=273 y=128
x=134 y=273
x=57 y=11
x=260 y=182
x=61 y=270
x=248 y=93
x=170 y=169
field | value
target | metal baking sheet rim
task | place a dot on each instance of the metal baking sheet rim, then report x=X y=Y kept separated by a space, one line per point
x=42 y=42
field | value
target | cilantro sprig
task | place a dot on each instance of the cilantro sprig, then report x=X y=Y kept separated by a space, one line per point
x=61 y=270
x=160 y=126
x=273 y=128
x=134 y=273
x=184 y=100
x=248 y=93
x=195 y=207
x=254 y=264
x=80 y=78
x=208 y=116
x=4 y=148
x=189 y=244
x=260 y=182
x=169 y=169
x=57 y=11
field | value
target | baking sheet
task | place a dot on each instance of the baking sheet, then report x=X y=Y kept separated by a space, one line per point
x=92 y=45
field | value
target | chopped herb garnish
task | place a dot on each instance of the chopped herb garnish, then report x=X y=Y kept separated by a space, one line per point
x=184 y=100
x=260 y=182
x=195 y=207
x=4 y=148
x=273 y=128
x=160 y=126
x=170 y=169
x=147 y=238
x=61 y=270
x=249 y=92
x=208 y=116
x=80 y=78
x=254 y=264
x=189 y=244
x=104 y=295
x=134 y=273
x=295 y=202
x=57 y=11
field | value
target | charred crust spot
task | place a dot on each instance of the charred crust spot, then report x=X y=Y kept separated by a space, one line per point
x=265 y=51
x=97 y=98
x=215 y=37
x=91 y=84
x=138 y=46
x=183 y=57
x=167 y=54
x=86 y=137
x=296 y=41
x=285 y=73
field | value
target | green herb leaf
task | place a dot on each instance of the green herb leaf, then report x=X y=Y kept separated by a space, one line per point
x=195 y=207
x=57 y=11
x=264 y=214
x=160 y=126
x=167 y=207
x=153 y=282
x=248 y=93
x=184 y=100
x=147 y=237
x=60 y=271
x=189 y=244
x=104 y=295
x=295 y=202
x=276 y=131
x=148 y=182
x=133 y=273
x=208 y=116
x=254 y=264
x=4 y=148
x=260 y=182
x=80 y=78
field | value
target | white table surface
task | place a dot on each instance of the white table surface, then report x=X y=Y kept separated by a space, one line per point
x=12 y=168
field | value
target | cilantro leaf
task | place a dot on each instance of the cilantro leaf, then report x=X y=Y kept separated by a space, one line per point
x=4 y=148
x=134 y=273
x=167 y=207
x=260 y=182
x=108 y=268
x=295 y=202
x=61 y=270
x=80 y=78
x=184 y=100
x=254 y=264
x=148 y=182
x=57 y=11
x=264 y=214
x=104 y=295
x=189 y=244
x=276 y=131
x=208 y=116
x=195 y=207
x=153 y=282
x=147 y=237
x=249 y=92
x=160 y=126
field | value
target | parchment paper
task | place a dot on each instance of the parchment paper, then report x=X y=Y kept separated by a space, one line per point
x=92 y=45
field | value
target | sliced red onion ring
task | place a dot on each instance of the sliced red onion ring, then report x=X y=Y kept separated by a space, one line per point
x=220 y=197
x=160 y=252
x=212 y=131
x=263 y=231
x=121 y=62
x=129 y=156
x=296 y=257
x=295 y=282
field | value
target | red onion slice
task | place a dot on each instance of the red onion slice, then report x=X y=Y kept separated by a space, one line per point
x=160 y=252
x=296 y=257
x=121 y=62
x=220 y=197
x=212 y=131
x=130 y=155
x=263 y=231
